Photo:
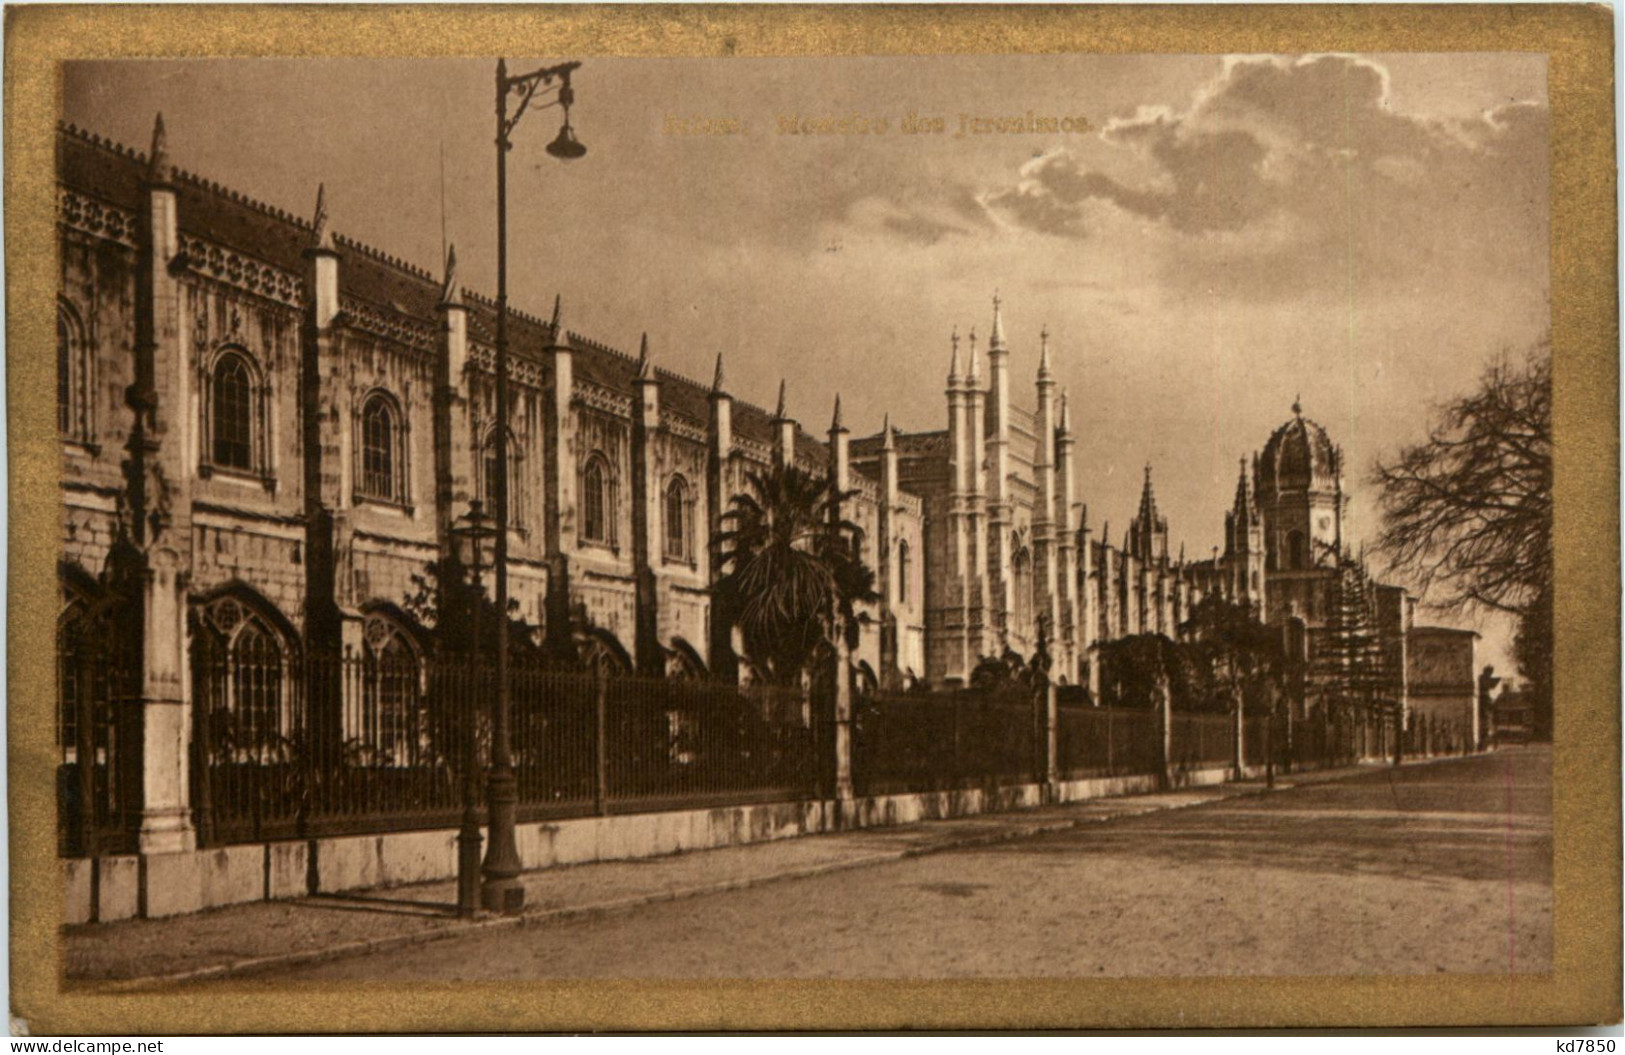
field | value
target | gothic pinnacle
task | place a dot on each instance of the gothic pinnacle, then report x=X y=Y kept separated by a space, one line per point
x=1043 y=354
x=835 y=422
x=782 y=413
x=158 y=167
x=995 y=340
x=974 y=378
x=558 y=304
x=954 y=377
x=321 y=235
x=888 y=441
x=645 y=370
x=450 y=293
x=718 y=382
x=1066 y=415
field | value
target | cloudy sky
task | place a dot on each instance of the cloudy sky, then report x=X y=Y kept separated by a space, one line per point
x=1220 y=236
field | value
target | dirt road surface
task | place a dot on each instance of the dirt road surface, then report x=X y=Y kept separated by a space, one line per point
x=1439 y=867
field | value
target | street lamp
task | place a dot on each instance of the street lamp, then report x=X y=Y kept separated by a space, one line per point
x=473 y=533
x=503 y=891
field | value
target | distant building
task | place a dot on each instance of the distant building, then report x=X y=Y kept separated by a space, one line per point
x=1442 y=676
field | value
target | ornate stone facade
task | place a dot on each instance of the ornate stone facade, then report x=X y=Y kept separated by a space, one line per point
x=254 y=408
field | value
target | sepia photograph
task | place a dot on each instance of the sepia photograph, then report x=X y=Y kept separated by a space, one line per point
x=806 y=517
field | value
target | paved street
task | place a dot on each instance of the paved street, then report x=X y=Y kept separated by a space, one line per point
x=1438 y=867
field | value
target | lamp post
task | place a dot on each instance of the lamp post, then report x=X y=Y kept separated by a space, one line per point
x=503 y=891
x=473 y=533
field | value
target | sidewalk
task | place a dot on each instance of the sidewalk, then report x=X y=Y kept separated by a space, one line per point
x=140 y=953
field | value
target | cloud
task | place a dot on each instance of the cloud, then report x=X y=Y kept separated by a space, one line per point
x=1285 y=173
x=924 y=219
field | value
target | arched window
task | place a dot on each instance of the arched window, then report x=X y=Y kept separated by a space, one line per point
x=383 y=468
x=679 y=527
x=390 y=728
x=1022 y=568
x=1294 y=550
x=902 y=572
x=597 y=501
x=242 y=685
x=232 y=417
x=488 y=480
x=72 y=376
x=64 y=376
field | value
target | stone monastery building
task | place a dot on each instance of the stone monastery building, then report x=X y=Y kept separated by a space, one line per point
x=280 y=428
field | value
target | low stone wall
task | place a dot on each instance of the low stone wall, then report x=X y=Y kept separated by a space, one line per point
x=157 y=885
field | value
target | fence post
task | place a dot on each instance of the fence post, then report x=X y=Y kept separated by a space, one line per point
x=843 y=725
x=600 y=696
x=1165 y=734
x=1238 y=749
x=1052 y=746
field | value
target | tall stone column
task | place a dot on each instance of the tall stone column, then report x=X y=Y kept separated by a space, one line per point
x=647 y=517
x=1066 y=530
x=559 y=500
x=149 y=558
x=976 y=582
x=892 y=603
x=840 y=476
x=955 y=621
x=454 y=439
x=1046 y=606
x=332 y=626
x=998 y=462
x=722 y=659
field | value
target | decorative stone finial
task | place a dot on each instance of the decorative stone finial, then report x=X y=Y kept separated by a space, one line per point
x=995 y=340
x=450 y=292
x=953 y=364
x=783 y=411
x=835 y=422
x=718 y=382
x=1297 y=406
x=645 y=370
x=558 y=304
x=888 y=441
x=321 y=235
x=1043 y=353
x=159 y=169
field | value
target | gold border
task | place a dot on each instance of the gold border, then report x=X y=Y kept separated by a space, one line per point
x=1585 y=984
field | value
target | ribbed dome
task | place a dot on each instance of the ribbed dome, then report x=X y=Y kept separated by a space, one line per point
x=1298 y=456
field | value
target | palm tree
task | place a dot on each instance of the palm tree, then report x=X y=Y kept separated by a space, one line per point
x=793 y=570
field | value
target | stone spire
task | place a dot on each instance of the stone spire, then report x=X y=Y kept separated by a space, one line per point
x=719 y=383
x=321 y=235
x=1297 y=406
x=558 y=305
x=645 y=369
x=1066 y=415
x=888 y=442
x=450 y=292
x=1148 y=499
x=1043 y=354
x=159 y=170
x=782 y=412
x=835 y=422
x=995 y=340
x=974 y=378
x=1244 y=490
x=954 y=376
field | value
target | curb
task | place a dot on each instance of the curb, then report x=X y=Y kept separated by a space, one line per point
x=258 y=964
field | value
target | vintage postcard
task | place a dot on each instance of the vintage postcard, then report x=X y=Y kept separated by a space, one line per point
x=659 y=513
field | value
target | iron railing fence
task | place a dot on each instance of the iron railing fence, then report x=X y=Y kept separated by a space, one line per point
x=346 y=745
x=1201 y=741
x=1256 y=741
x=1105 y=742
x=945 y=740
x=92 y=784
